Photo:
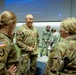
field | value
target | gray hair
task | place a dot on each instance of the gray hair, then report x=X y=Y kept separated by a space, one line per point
x=29 y=15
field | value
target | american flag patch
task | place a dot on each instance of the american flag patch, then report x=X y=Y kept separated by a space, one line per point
x=2 y=44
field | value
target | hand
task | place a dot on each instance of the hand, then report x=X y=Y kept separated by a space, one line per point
x=48 y=41
x=31 y=49
x=12 y=70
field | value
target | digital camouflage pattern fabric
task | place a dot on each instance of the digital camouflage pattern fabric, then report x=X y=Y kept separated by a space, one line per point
x=27 y=37
x=62 y=58
x=46 y=35
x=7 y=54
x=12 y=57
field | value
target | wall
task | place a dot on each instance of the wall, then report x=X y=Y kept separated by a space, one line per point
x=42 y=10
x=73 y=8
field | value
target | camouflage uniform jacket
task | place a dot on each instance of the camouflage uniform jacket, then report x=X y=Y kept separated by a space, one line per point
x=27 y=37
x=45 y=37
x=62 y=59
x=7 y=54
x=12 y=57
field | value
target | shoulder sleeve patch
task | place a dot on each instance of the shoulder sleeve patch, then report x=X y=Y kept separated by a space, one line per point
x=2 y=44
x=2 y=52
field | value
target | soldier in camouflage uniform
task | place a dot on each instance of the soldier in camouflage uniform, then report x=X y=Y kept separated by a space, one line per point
x=62 y=58
x=45 y=40
x=8 y=55
x=55 y=37
x=27 y=41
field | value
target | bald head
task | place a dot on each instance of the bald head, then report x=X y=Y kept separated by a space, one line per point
x=29 y=20
x=29 y=16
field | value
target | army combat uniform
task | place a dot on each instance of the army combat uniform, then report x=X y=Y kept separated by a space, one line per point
x=62 y=59
x=27 y=37
x=13 y=58
x=7 y=54
x=46 y=35
x=55 y=38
